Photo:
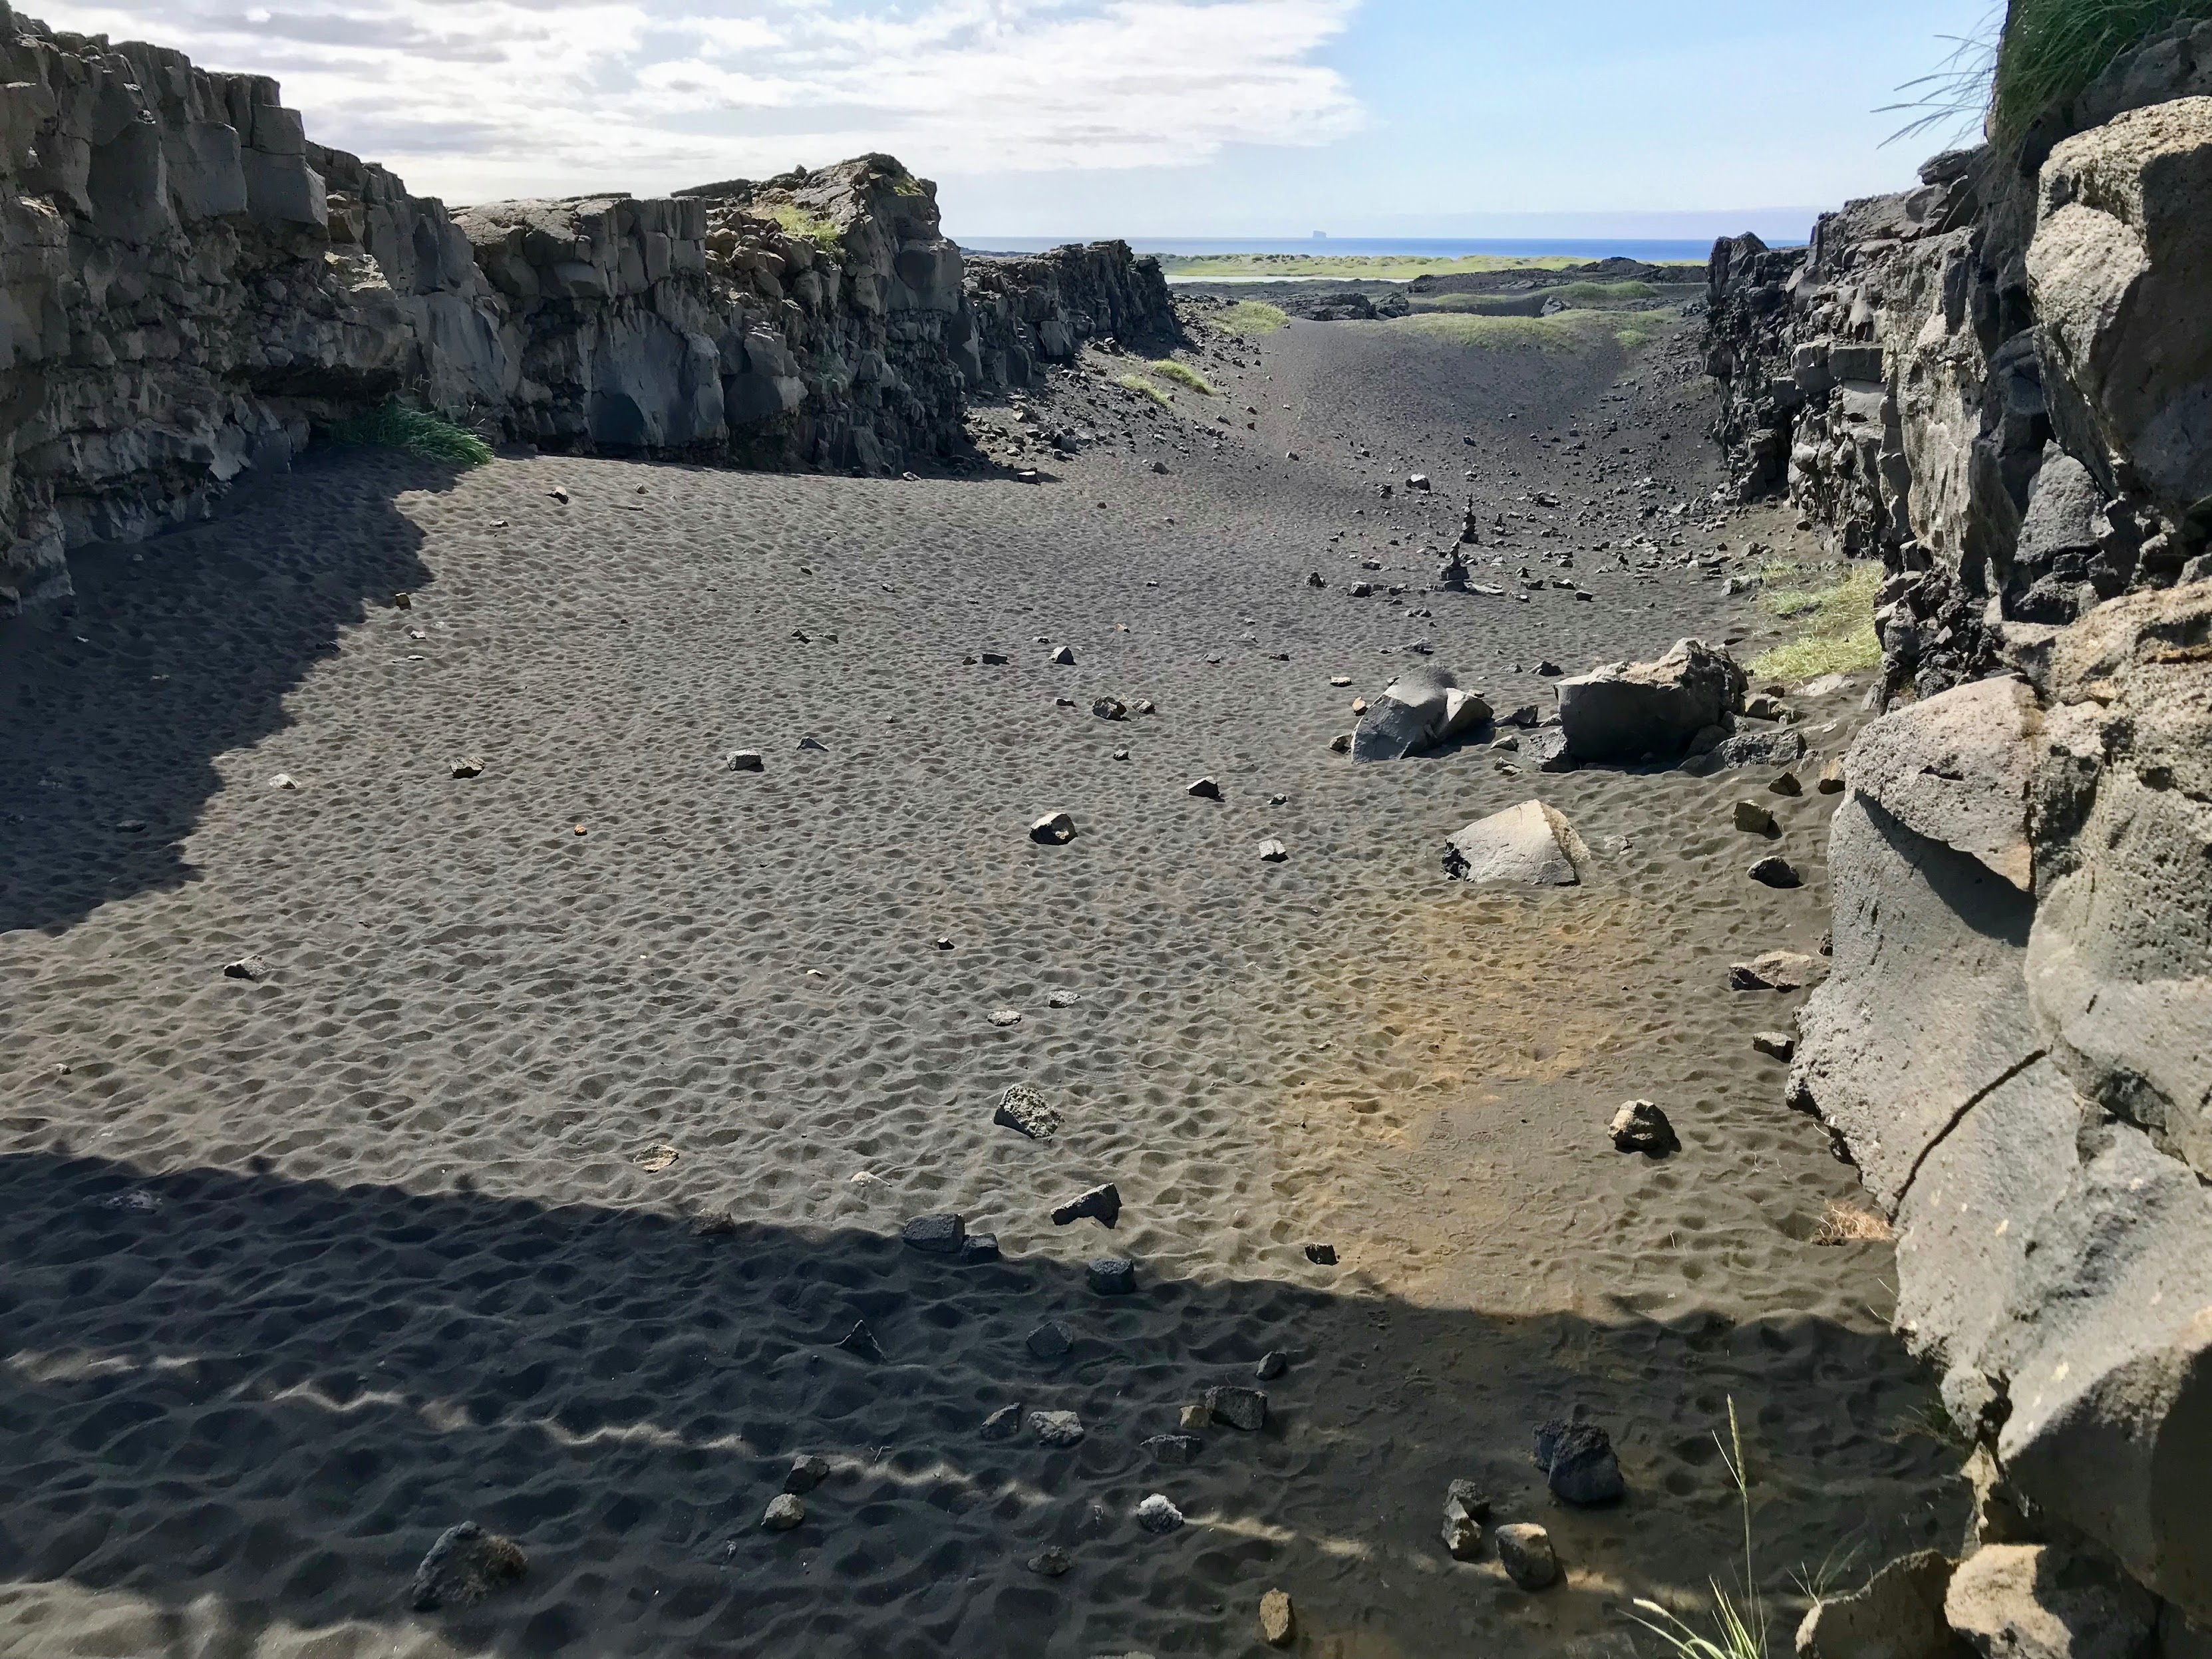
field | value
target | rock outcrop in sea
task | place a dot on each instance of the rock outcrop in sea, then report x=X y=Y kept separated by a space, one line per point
x=2000 y=384
x=189 y=285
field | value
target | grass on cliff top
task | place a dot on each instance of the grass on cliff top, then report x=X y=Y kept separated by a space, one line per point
x=1563 y=331
x=804 y=223
x=1139 y=383
x=1837 y=637
x=2053 y=49
x=1251 y=317
x=413 y=432
x=1182 y=374
x=1370 y=267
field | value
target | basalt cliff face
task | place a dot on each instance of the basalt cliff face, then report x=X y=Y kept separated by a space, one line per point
x=2000 y=384
x=188 y=285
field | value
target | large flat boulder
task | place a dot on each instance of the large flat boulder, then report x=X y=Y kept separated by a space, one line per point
x=1530 y=845
x=1898 y=1616
x=1955 y=770
x=1418 y=711
x=2037 y=1602
x=1625 y=711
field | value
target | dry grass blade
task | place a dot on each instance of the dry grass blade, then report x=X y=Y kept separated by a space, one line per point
x=1847 y=1224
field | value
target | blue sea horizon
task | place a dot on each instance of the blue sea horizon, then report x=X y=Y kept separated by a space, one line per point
x=1652 y=251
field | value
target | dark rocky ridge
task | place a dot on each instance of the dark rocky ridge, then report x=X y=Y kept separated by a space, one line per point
x=192 y=285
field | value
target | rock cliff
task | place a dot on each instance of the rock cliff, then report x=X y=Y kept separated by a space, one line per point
x=2001 y=385
x=188 y=285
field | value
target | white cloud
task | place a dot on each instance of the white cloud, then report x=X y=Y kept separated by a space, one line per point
x=475 y=99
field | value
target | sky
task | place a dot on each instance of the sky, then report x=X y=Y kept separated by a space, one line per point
x=1096 y=117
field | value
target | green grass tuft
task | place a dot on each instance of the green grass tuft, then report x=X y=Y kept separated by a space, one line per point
x=1251 y=317
x=2053 y=49
x=1563 y=331
x=1838 y=635
x=1743 y=1629
x=1139 y=383
x=806 y=224
x=413 y=432
x=1182 y=374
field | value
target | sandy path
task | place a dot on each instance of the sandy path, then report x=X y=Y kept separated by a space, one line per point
x=302 y=1271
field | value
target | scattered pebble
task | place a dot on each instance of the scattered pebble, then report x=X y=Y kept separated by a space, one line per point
x=1278 y=1626
x=1755 y=819
x=1272 y=1364
x=1579 y=1463
x=1003 y=1017
x=1102 y=1204
x=247 y=968
x=1157 y=1515
x=1641 y=1127
x=1003 y=1424
x=1340 y=681
x=814 y=744
x=1173 y=1448
x=1272 y=852
x=1775 y=1045
x=1051 y=1563
x=1064 y=657
x=1776 y=872
x=470 y=767
x=1774 y=970
x=1832 y=777
x=807 y=1472
x=862 y=1341
x=653 y=1159
x=1056 y=1428
x=937 y=1234
x=785 y=1511
x=1053 y=830
x=1204 y=789
x=463 y=1566
x=1111 y=1275
x=1049 y=1341
x=1062 y=999
x=746 y=759
x=1321 y=1256
x=1023 y=1108
x=1524 y=1550
x=283 y=781
x=1110 y=709
x=1239 y=1407
x=1786 y=783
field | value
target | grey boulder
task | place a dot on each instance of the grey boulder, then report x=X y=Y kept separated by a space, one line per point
x=1531 y=845
x=1419 y=710
x=1625 y=711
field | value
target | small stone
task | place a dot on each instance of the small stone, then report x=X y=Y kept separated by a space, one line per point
x=1051 y=1563
x=1146 y=706
x=471 y=767
x=1775 y=1045
x=807 y=1471
x=945 y=941
x=1578 y=1461
x=785 y=1511
x=1196 y=1414
x=1064 y=657
x=861 y=1340
x=1056 y=1429
x=1049 y=1341
x=1277 y=1624
x=939 y=1235
x=1775 y=970
x=995 y=659
x=1776 y=872
x=1550 y=670
x=979 y=1248
x=404 y=601
x=1102 y=1204
x=1464 y=1497
x=1003 y=1424
x=1272 y=852
x=1062 y=1000
x=1111 y=1275
x=1173 y=1448
x=1053 y=830
x=1524 y=1550
x=1272 y=1364
x=463 y=1566
x=1121 y=753
x=746 y=759
x=1832 y=777
x=1765 y=707
x=1340 y=681
x=1462 y=1538
x=1003 y=1016
x=247 y=968
x=1341 y=744
x=1239 y=1408
x=1755 y=819
x=1204 y=789
x=1109 y=708
x=815 y=745
x=1786 y=783
x=1641 y=1127
x=1321 y=1256
x=1023 y=1108
x=1156 y=1514
x=283 y=781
